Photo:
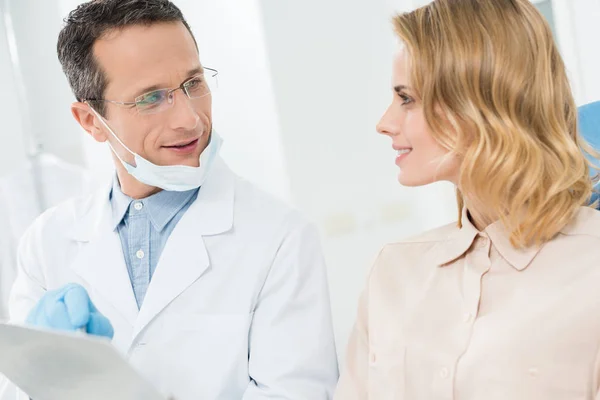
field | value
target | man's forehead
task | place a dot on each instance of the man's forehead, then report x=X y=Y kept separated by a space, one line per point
x=147 y=55
x=146 y=39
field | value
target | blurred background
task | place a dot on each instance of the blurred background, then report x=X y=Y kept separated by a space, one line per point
x=301 y=86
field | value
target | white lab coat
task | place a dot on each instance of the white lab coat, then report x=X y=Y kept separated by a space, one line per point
x=19 y=208
x=238 y=307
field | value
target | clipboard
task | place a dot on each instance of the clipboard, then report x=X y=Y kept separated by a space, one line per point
x=50 y=365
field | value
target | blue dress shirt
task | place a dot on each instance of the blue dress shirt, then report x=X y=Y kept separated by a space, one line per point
x=144 y=227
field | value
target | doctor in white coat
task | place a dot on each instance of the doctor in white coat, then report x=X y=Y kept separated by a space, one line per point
x=213 y=290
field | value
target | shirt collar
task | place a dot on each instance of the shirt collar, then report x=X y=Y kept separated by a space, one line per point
x=119 y=202
x=160 y=207
x=462 y=240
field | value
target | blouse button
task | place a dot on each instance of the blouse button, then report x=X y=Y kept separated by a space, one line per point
x=444 y=372
x=372 y=358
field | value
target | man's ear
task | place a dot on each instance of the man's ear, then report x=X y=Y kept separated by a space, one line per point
x=88 y=120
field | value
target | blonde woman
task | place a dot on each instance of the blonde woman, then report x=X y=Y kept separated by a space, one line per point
x=505 y=304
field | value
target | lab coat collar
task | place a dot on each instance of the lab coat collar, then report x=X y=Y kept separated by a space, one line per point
x=214 y=206
x=101 y=263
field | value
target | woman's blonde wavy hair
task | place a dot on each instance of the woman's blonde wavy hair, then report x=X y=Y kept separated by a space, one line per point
x=495 y=92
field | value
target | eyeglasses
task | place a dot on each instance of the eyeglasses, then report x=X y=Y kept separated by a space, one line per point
x=160 y=100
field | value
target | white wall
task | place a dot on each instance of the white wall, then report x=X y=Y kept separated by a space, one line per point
x=12 y=151
x=36 y=26
x=580 y=33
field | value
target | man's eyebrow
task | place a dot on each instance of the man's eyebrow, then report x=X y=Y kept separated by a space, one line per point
x=147 y=89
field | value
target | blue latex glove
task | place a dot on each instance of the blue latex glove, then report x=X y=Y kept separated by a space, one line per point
x=70 y=309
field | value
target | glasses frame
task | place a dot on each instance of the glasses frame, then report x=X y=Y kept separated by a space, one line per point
x=168 y=91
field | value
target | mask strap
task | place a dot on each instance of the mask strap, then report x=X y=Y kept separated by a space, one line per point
x=112 y=133
x=117 y=155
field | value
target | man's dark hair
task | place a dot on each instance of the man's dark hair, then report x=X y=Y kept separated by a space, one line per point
x=91 y=21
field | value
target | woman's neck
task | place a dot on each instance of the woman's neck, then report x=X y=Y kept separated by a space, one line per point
x=479 y=216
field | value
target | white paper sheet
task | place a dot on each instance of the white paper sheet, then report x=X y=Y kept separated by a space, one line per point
x=64 y=366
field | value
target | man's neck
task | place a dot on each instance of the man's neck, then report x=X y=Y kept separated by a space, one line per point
x=134 y=188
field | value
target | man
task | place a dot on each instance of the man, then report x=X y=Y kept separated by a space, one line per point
x=210 y=287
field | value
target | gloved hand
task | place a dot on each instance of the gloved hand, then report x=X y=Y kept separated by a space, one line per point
x=70 y=308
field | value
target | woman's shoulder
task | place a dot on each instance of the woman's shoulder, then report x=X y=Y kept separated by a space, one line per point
x=586 y=222
x=415 y=250
x=427 y=238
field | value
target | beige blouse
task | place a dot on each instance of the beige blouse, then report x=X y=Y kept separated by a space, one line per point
x=461 y=314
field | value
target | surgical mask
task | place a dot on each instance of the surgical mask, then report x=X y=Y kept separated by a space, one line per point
x=176 y=178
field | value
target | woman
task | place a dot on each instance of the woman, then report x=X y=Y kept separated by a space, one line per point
x=506 y=303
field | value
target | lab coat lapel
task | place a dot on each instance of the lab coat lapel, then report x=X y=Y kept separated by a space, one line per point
x=100 y=260
x=185 y=257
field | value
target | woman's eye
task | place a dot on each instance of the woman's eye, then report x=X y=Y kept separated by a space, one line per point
x=405 y=99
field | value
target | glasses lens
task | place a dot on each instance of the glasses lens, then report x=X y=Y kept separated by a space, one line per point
x=197 y=87
x=152 y=102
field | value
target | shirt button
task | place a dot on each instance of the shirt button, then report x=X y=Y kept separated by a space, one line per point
x=372 y=358
x=533 y=372
x=444 y=372
x=139 y=254
x=138 y=206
